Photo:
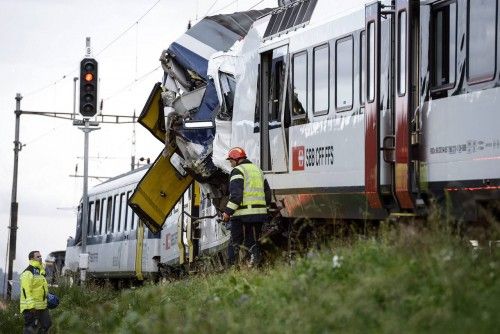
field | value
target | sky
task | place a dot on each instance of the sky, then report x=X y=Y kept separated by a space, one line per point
x=42 y=44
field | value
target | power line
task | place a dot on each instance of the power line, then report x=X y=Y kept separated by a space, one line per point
x=42 y=135
x=221 y=9
x=213 y=4
x=258 y=3
x=126 y=30
x=136 y=22
x=130 y=84
x=232 y=3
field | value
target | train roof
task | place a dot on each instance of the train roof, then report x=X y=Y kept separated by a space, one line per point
x=124 y=179
x=306 y=15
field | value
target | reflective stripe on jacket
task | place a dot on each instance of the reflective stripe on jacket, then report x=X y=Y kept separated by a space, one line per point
x=254 y=198
x=34 y=287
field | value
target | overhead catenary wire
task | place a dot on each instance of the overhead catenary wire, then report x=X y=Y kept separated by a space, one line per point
x=75 y=70
x=127 y=30
x=258 y=3
x=221 y=9
x=209 y=9
x=43 y=135
x=130 y=84
x=218 y=11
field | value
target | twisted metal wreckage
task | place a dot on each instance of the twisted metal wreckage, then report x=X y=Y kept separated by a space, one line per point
x=181 y=112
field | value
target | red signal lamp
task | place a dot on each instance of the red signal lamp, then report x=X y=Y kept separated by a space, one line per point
x=88 y=77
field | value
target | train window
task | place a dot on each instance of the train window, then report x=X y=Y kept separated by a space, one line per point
x=97 y=216
x=277 y=81
x=136 y=221
x=481 y=40
x=123 y=213
x=178 y=162
x=103 y=216
x=130 y=216
x=90 y=224
x=444 y=31
x=228 y=89
x=362 y=65
x=371 y=62
x=116 y=214
x=109 y=211
x=344 y=70
x=257 y=102
x=402 y=53
x=321 y=80
x=299 y=82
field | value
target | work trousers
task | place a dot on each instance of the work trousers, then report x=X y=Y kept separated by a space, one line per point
x=36 y=321
x=245 y=234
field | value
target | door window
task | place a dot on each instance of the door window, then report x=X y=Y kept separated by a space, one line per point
x=345 y=73
x=444 y=31
x=481 y=40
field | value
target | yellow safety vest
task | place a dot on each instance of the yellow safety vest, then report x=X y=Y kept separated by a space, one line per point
x=254 y=198
x=34 y=287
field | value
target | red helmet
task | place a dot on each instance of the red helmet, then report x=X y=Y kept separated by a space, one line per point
x=236 y=153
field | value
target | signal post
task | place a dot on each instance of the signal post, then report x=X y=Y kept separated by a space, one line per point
x=88 y=109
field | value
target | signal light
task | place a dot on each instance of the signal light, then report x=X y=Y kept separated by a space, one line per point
x=88 y=87
x=89 y=77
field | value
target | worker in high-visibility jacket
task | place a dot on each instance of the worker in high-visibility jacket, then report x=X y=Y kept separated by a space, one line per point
x=246 y=210
x=34 y=291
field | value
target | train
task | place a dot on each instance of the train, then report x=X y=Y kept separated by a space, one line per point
x=380 y=112
x=365 y=115
x=120 y=248
x=122 y=245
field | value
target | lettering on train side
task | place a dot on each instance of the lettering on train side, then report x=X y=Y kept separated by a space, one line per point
x=471 y=146
x=309 y=157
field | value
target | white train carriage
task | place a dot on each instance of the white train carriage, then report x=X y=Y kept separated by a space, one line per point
x=367 y=114
x=352 y=115
x=119 y=245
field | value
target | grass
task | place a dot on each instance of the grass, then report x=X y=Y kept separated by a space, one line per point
x=401 y=281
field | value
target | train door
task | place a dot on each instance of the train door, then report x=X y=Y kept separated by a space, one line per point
x=273 y=138
x=405 y=100
x=375 y=126
x=391 y=49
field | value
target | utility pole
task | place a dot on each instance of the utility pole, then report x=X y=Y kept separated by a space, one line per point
x=88 y=109
x=88 y=126
x=132 y=163
x=14 y=204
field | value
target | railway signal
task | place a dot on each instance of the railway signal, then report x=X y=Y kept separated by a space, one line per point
x=88 y=87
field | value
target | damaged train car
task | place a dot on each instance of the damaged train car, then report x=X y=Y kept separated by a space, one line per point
x=358 y=114
x=180 y=112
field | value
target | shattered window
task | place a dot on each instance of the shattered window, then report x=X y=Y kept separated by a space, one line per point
x=257 y=103
x=228 y=88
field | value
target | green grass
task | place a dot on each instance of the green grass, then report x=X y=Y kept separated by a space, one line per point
x=399 y=282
